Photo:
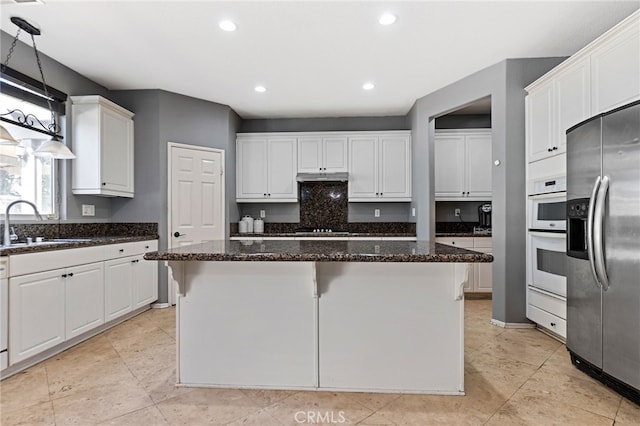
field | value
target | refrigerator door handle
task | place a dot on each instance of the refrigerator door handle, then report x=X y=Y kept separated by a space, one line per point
x=590 y=220
x=598 y=234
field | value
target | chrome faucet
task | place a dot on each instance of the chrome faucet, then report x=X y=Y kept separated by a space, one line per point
x=7 y=235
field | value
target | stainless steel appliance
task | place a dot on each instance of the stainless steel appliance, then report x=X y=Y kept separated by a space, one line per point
x=484 y=215
x=603 y=247
x=547 y=204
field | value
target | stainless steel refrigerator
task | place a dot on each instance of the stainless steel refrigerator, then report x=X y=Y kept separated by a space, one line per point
x=603 y=248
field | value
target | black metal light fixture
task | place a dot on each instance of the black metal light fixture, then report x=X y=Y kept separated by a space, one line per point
x=53 y=148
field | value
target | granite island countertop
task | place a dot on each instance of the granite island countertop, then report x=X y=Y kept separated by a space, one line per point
x=71 y=243
x=321 y=251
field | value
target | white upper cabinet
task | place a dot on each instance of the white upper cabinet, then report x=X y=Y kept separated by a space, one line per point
x=554 y=106
x=602 y=76
x=380 y=167
x=463 y=165
x=615 y=69
x=322 y=154
x=266 y=169
x=103 y=143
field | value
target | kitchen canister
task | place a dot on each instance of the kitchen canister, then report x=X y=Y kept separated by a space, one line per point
x=258 y=226
x=242 y=227
x=249 y=220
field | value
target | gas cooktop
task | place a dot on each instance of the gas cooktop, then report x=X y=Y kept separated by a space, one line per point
x=320 y=231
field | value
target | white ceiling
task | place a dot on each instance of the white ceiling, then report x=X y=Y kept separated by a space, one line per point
x=313 y=57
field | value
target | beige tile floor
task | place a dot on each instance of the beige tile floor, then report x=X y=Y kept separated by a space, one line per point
x=125 y=377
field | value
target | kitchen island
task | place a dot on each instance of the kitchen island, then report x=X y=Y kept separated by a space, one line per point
x=375 y=316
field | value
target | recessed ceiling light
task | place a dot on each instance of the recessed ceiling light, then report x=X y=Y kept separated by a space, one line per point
x=387 y=19
x=228 y=26
x=368 y=86
x=260 y=89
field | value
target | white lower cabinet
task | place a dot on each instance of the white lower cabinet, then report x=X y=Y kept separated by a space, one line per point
x=480 y=275
x=91 y=288
x=36 y=314
x=145 y=282
x=84 y=298
x=118 y=295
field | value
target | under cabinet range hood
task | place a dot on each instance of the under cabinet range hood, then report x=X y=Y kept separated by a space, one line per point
x=323 y=177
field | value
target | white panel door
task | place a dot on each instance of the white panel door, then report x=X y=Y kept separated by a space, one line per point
x=572 y=97
x=84 y=295
x=335 y=154
x=197 y=201
x=615 y=71
x=395 y=167
x=363 y=167
x=36 y=317
x=251 y=169
x=449 y=165
x=282 y=169
x=310 y=154
x=479 y=165
x=118 y=294
x=540 y=122
x=116 y=151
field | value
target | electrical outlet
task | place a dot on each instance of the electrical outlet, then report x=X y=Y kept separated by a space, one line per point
x=456 y=212
x=262 y=214
x=88 y=210
x=413 y=212
x=376 y=212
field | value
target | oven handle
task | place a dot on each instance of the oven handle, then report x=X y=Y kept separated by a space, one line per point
x=590 y=218
x=598 y=234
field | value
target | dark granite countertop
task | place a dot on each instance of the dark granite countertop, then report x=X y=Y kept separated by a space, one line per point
x=321 y=251
x=76 y=242
x=462 y=234
x=325 y=234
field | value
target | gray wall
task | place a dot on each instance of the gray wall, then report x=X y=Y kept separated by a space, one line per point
x=464 y=121
x=73 y=84
x=163 y=117
x=504 y=82
x=343 y=124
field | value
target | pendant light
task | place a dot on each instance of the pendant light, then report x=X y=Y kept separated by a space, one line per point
x=6 y=138
x=53 y=148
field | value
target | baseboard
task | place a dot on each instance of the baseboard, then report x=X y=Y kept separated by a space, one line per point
x=478 y=296
x=503 y=324
x=160 y=305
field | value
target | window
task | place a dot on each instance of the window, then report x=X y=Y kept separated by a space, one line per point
x=22 y=175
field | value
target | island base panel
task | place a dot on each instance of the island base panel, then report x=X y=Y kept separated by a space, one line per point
x=248 y=324
x=386 y=327
x=394 y=327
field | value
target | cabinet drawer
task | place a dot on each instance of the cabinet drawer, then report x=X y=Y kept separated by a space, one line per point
x=482 y=242
x=465 y=242
x=546 y=302
x=547 y=320
x=30 y=263
x=115 y=251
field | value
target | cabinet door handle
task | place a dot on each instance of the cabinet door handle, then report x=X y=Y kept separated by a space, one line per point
x=121 y=250
x=381 y=194
x=553 y=324
x=64 y=275
x=264 y=194
x=70 y=274
x=104 y=183
x=555 y=148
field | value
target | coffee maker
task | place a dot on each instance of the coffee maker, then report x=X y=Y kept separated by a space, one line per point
x=484 y=215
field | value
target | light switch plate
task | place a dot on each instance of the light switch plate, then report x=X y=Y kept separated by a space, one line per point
x=88 y=210
x=263 y=214
x=376 y=212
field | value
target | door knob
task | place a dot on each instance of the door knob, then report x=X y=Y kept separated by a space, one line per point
x=177 y=234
